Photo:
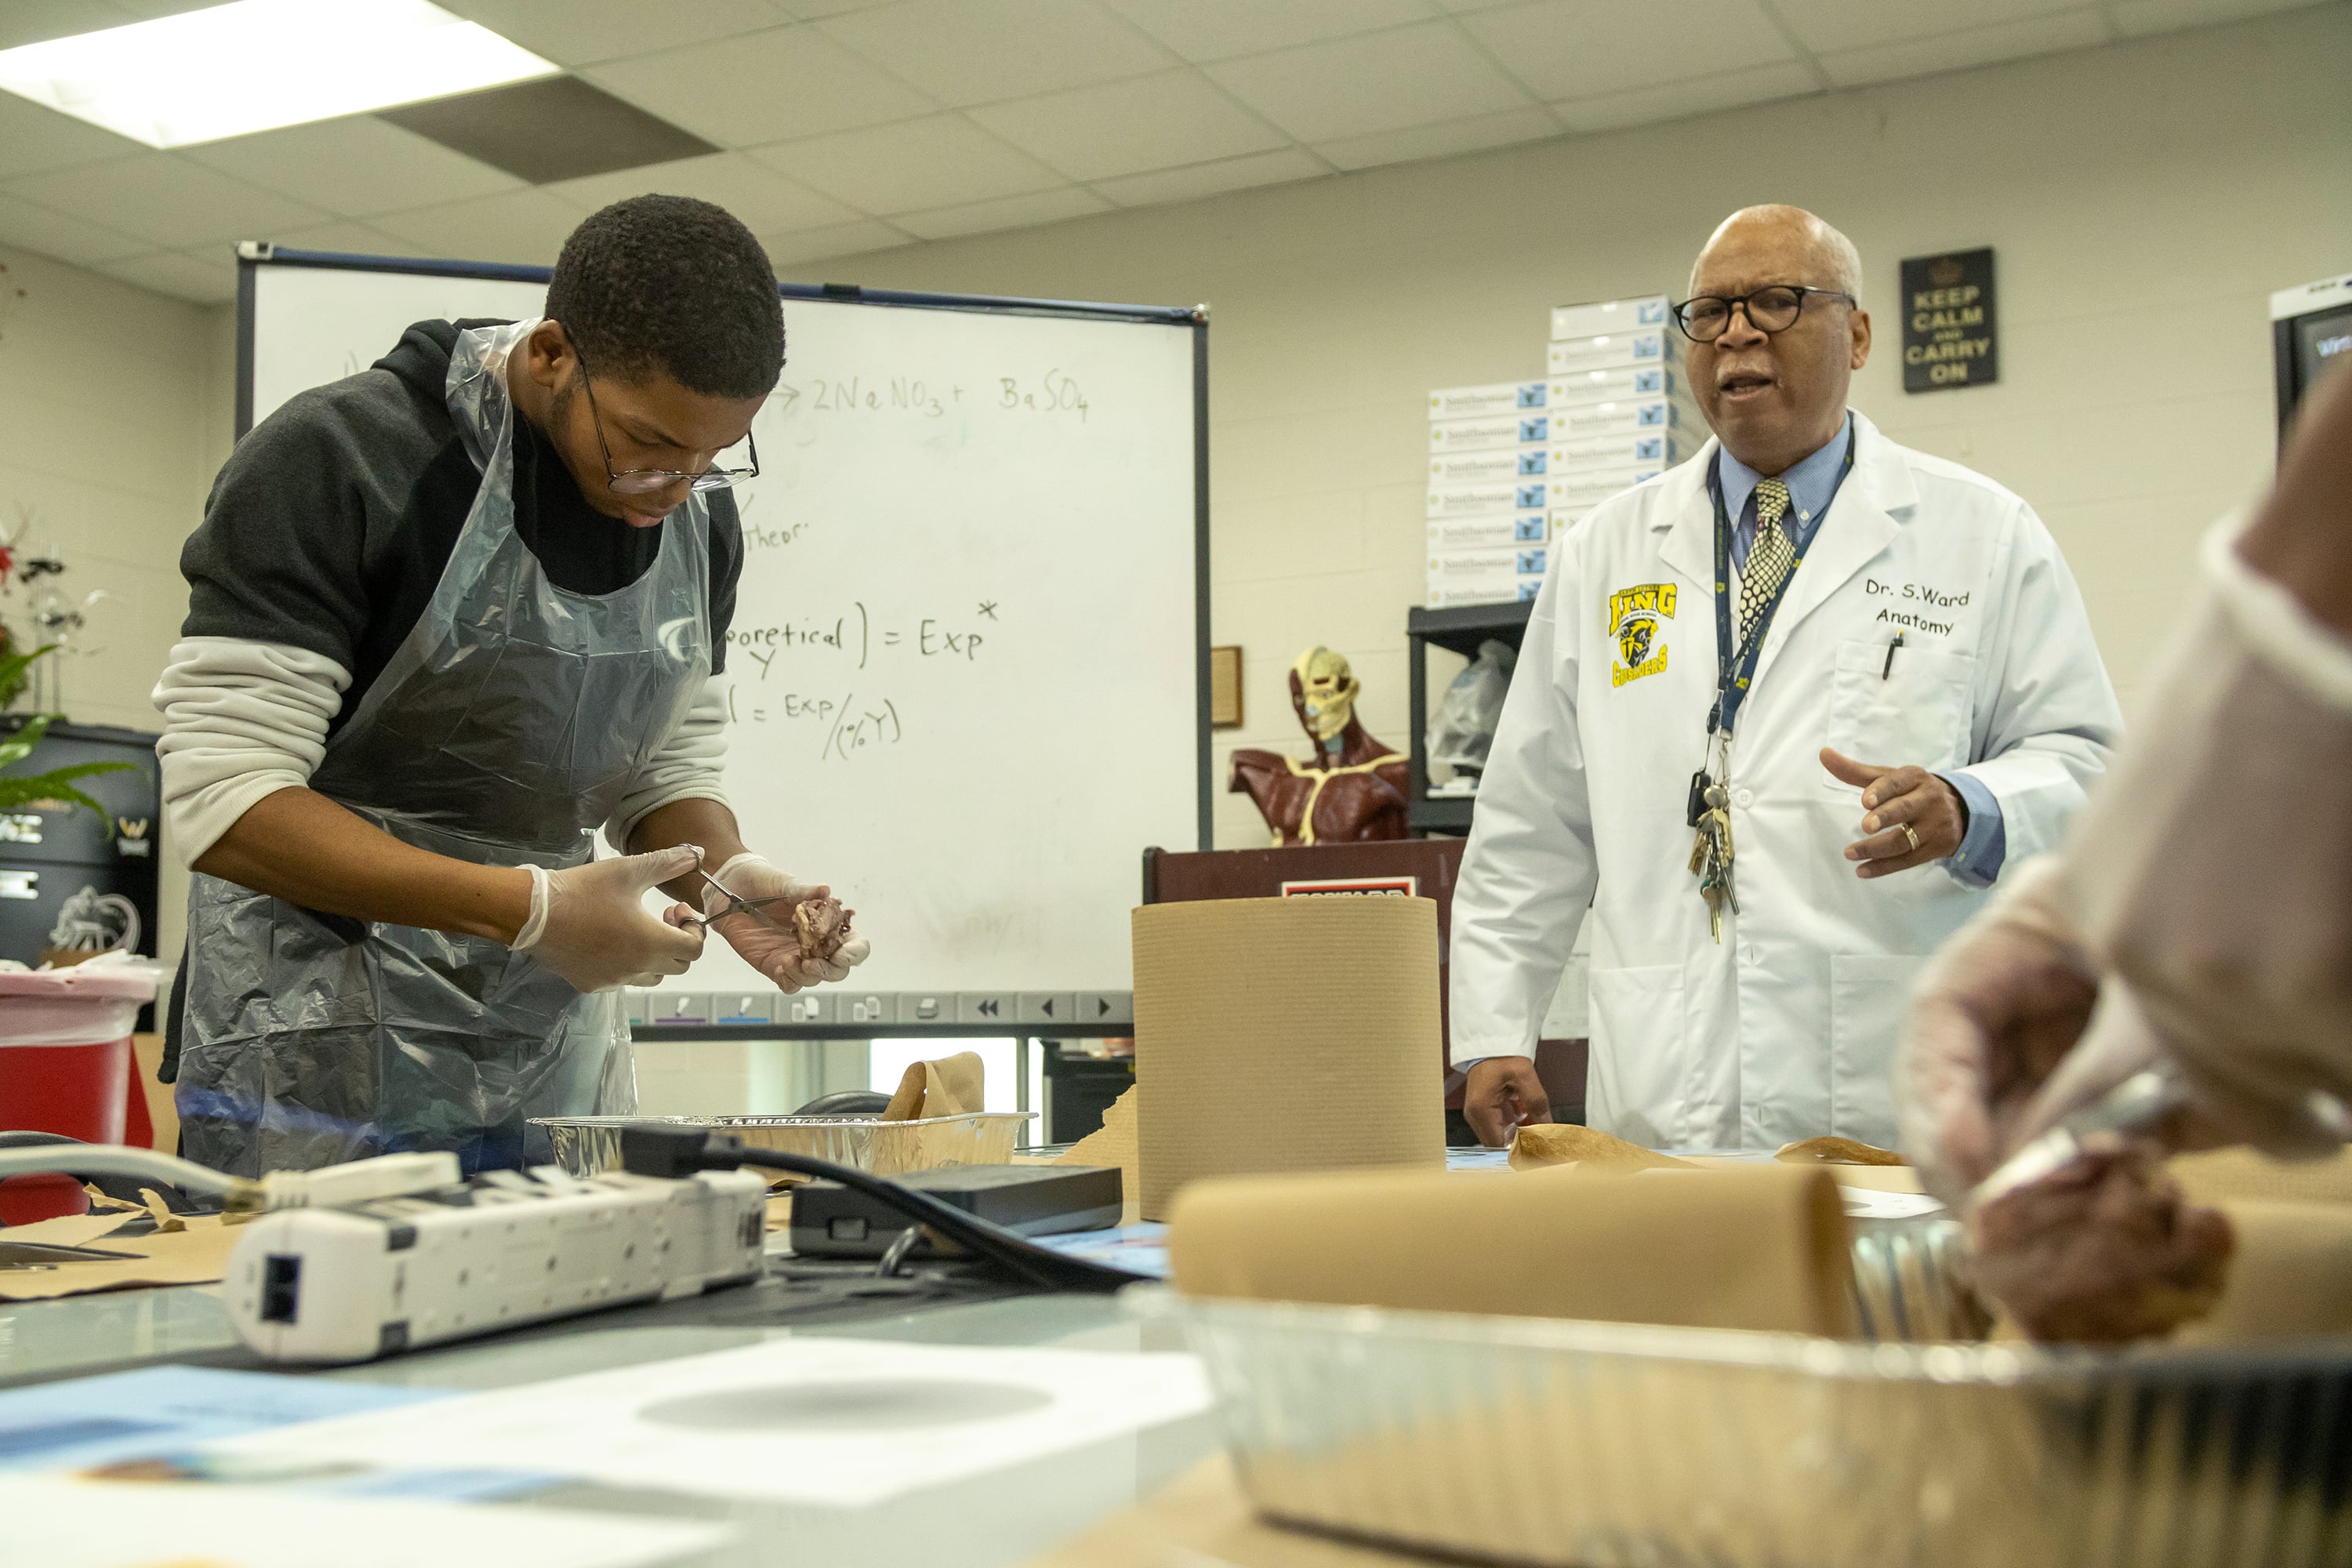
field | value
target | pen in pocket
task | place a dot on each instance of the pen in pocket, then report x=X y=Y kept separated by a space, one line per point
x=1889 y=668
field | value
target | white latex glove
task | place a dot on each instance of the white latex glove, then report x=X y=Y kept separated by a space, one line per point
x=1991 y=1016
x=2213 y=872
x=589 y=923
x=777 y=953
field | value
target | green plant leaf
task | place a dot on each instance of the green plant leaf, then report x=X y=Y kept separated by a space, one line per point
x=19 y=746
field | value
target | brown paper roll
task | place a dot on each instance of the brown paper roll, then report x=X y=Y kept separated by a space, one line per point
x=2289 y=1278
x=1764 y=1247
x=2224 y=1175
x=1284 y=1035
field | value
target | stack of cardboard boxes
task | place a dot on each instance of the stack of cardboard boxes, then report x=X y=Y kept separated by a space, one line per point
x=1515 y=465
x=1488 y=448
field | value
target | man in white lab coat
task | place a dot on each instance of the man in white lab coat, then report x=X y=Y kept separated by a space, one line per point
x=1781 y=716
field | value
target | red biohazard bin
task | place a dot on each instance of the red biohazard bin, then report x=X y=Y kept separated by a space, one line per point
x=67 y=1066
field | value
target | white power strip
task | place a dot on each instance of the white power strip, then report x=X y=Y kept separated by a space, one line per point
x=508 y=1247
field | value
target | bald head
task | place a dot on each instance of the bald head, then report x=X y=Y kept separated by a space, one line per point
x=1829 y=254
x=1775 y=398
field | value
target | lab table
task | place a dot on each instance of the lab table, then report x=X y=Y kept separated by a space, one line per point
x=1005 y=1517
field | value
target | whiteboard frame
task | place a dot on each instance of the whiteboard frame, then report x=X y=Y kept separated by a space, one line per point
x=254 y=255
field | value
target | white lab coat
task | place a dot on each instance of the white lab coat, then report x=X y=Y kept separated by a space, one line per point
x=1786 y=1029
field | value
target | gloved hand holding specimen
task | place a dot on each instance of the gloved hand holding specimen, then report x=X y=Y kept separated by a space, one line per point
x=794 y=932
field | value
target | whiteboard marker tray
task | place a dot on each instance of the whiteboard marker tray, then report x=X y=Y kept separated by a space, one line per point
x=587 y=1145
x=1536 y=1441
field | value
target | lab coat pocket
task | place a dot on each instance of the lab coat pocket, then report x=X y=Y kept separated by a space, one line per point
x=1911 y=709
x=1639 y=1083
x=1869 y=993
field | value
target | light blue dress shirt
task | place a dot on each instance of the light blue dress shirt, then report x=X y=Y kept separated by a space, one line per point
x=1811 y=483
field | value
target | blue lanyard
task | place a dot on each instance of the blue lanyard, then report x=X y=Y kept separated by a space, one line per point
x=1738 y=668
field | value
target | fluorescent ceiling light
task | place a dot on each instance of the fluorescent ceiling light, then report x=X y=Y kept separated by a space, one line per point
x=257 y=65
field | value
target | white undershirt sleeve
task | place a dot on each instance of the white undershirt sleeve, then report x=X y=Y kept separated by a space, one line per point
x=686 y=767
x=241 y=720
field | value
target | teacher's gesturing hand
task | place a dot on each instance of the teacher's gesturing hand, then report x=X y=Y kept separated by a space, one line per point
x=1913 y=816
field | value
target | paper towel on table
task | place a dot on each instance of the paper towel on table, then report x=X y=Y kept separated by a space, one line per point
x=1284 y=1035
x=1112 y=1145
x=950 y=1085
x=1764 y=1247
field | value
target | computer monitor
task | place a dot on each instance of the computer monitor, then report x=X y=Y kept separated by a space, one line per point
x=2311 y=329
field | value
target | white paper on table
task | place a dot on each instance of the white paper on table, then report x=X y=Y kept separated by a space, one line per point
x=824 y=1421
x=1868 y=1203
x=59 y=1522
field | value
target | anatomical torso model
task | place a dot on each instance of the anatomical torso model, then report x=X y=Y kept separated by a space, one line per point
x=1352 y=790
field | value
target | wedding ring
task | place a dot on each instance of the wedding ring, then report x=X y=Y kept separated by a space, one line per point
x=1907 y=833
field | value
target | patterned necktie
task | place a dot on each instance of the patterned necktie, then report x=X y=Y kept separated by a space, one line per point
x=1768 y=560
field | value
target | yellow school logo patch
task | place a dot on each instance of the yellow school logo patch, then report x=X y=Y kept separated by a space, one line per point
x=1634 y=618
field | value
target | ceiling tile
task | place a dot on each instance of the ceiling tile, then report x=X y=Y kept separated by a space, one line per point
x=584 y=32
x=527 y=226
x=1125 y=127
x=764 y=200
x=354 y=166
x=841 y=240
x=1209 y=179
x=1576 y=49
x=1844 y=25
x=66 y=237
x=979 y=51
x=1219 y=29
x=1957 y=51
x=34 y=137
x=2134 y=18
x=1677 y=101
x=1380 y=82
x=38 y=21
x=1442 y=140
x=166 y=199
x=765 y=86
x=203 y=277
x=1008 y=212
x=917 y=163
x=351 y=238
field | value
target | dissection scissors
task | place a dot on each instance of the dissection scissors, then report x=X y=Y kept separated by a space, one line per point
x=738 y=905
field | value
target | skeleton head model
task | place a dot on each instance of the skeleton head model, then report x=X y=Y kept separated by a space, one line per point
x=1323 y=691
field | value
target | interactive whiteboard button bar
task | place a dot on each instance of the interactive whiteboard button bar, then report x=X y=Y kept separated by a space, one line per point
x=987 y=1008
x=740 y=1007
x=1048 y=1007
x=678 y=1007
x=1105 y=1008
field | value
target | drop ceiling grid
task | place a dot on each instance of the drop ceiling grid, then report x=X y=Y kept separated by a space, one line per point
x=855 y=125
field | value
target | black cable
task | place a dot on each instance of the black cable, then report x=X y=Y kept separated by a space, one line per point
x=123 y=1188
x=675 y=1152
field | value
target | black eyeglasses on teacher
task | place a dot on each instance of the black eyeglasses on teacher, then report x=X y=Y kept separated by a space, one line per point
x=646 y=481
x=1706 y=317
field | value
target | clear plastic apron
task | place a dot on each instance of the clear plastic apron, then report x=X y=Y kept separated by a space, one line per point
x=504 y=731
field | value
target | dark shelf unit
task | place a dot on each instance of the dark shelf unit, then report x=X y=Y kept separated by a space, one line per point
x=1459 y=629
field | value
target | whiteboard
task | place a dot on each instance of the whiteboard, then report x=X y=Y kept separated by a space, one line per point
x=966 y=659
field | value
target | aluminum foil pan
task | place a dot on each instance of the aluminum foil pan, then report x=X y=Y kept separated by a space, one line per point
x=585 y=1145
x=1617 y=1446
x=1911 y=1282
